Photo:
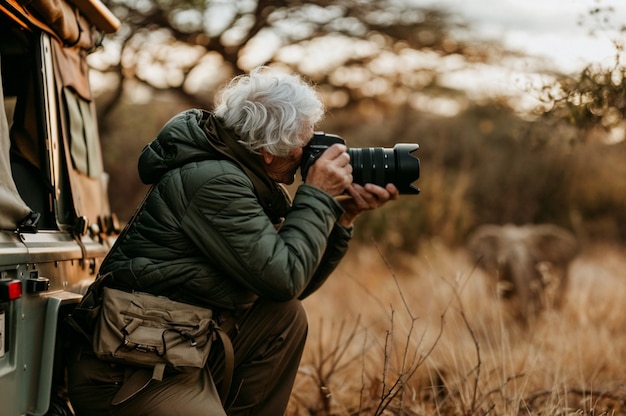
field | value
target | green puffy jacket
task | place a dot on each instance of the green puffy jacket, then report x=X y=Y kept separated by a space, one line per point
x=202 y=236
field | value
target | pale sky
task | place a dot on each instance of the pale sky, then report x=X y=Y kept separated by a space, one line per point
x=548 y=28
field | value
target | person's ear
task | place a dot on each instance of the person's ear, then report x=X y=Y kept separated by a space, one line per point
x=268 y=158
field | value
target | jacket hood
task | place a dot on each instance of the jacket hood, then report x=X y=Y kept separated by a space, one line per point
x=180 y=141
x=196 y=135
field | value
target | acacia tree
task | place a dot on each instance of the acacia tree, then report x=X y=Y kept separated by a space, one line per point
x=353 y=49
x=596 y=97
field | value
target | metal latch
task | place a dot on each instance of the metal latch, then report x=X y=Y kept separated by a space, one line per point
x=36 y=284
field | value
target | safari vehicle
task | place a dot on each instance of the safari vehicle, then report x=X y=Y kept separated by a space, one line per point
x=55 y=220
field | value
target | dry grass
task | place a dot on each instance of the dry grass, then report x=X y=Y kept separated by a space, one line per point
x=422 y=336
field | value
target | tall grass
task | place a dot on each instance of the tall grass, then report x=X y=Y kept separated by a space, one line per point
x=422 y=336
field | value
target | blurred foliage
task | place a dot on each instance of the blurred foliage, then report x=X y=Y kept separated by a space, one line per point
x=596 y=97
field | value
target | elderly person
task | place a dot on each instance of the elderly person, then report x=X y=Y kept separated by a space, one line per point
x=219 y=231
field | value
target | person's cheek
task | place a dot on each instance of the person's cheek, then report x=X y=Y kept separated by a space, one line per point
x=297 y=156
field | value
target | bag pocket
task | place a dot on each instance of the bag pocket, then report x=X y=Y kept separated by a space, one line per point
x=152 y=331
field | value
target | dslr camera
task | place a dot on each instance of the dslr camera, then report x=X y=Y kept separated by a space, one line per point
x=376 y=165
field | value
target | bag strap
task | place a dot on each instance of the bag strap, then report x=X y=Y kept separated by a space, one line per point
x=82 y=319
x=229 y=363
x=229 y=353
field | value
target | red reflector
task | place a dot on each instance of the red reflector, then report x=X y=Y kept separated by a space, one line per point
x=15 y=290
x=10 y=290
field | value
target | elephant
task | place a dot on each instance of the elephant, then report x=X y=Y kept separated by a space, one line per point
x=527 y=264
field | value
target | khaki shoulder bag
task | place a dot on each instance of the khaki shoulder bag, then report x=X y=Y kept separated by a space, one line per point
x=146 y=330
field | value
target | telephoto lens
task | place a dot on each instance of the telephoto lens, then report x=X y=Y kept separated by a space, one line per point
x=381 y=166
x=377 y=165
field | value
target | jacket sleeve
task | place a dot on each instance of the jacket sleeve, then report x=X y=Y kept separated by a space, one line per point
x=335 y=251
x=226 y=221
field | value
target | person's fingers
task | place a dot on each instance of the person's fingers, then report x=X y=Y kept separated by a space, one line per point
x=389 y=192
x=336 y=151
x=356 y=192
x=365 y=200
x=332 y=171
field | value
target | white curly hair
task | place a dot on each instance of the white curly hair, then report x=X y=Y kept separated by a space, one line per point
x=269 y=109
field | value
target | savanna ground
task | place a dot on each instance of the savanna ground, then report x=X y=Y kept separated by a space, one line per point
x=421 y=335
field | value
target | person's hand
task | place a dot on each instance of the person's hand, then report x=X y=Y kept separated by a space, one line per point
x=364 y=198
x=331 y=172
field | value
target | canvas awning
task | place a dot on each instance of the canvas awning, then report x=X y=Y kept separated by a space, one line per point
x=60 y=18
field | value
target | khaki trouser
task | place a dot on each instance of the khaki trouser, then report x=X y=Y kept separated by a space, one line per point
x=268 y=342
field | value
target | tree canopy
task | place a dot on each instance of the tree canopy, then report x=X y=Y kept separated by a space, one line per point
x=352 y=49
x=358 y=52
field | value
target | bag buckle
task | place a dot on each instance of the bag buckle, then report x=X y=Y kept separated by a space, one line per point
x=189 y=337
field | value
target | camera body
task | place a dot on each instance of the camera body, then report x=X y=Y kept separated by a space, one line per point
x=376 y=165
x=314 y=149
